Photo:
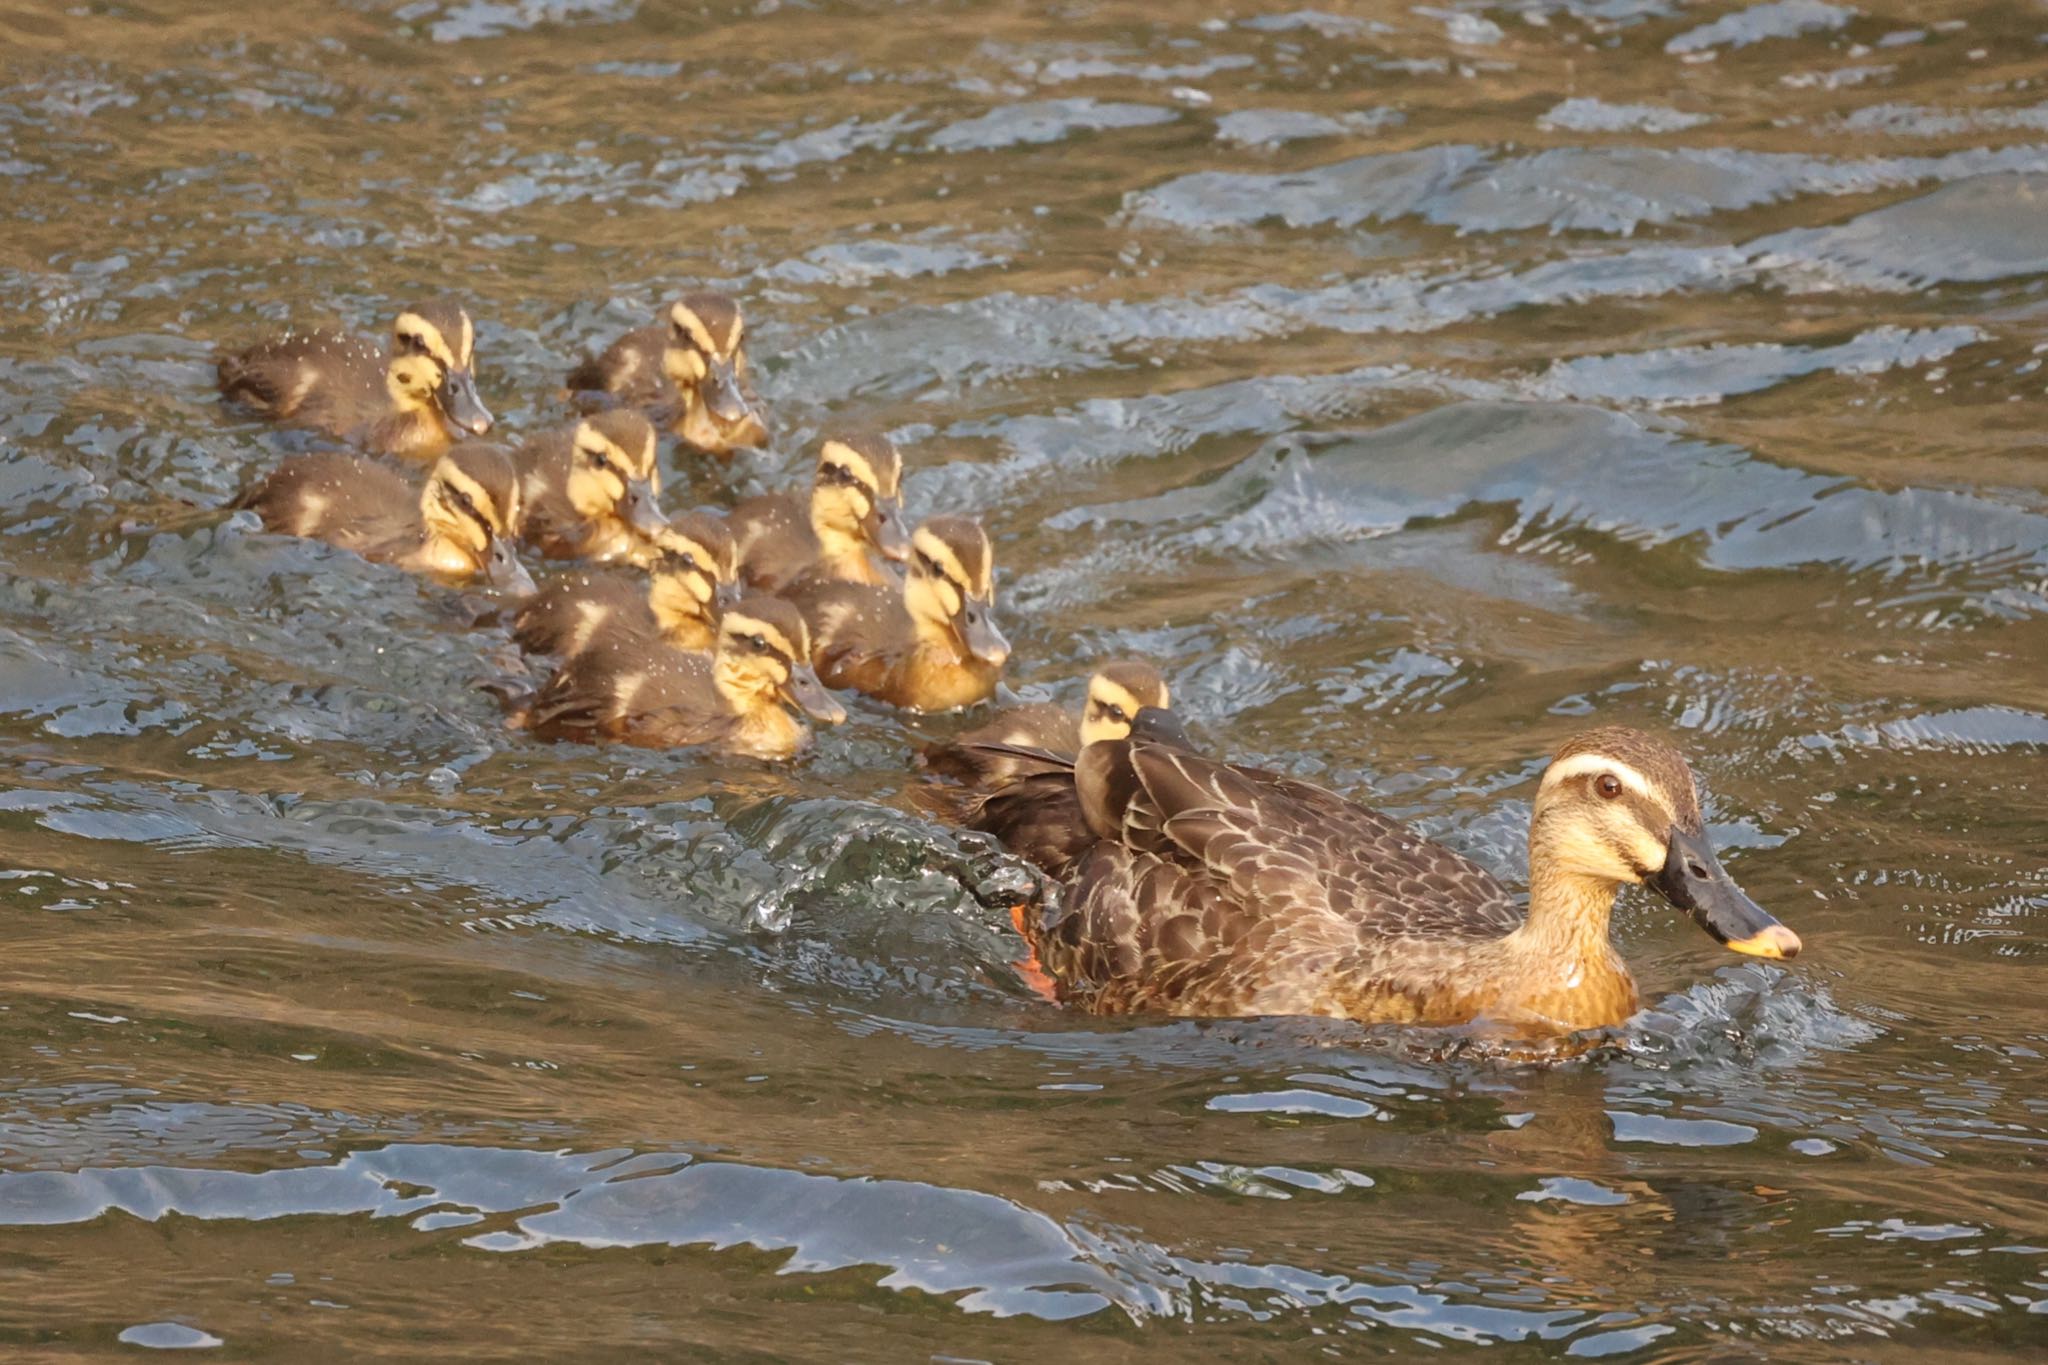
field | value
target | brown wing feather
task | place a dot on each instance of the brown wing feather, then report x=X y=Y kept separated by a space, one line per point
x=346 y=500
x=979 y=756
x=1228 y=890
x=772 y=540
x=308 y=376
x=573 y=613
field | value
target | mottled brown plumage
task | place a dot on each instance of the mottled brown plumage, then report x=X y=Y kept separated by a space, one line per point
x=847 y=528
x=408 y=399
x=737 y=699
x=690 y=369
x=1211 y=889
x=931 y=645
x=459 y=523
x=675 y=600
x=593 y=490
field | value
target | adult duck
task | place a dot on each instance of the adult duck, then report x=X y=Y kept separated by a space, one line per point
x=1207 y=888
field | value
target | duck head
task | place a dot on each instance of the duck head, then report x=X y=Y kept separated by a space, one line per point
x=471 y=505
x=857 y=499
x=1619 y=805
x=706 y=359
x=951 y=590
x=613 y=472
x=441 y=333
x=1116 y=694
x=693 y=572
x=764 y=659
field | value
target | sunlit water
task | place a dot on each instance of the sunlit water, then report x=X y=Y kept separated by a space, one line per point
x=1416 y=385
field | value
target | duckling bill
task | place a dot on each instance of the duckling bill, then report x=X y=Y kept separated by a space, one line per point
x=408 y=400
x=1207 y=888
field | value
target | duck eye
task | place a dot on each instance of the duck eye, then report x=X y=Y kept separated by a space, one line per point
x=1608 y=785
x=1116 y=713
x=759 y=642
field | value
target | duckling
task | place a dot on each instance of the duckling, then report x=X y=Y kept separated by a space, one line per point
x=1024 y=763
x=592 y=489
x=985 y=757
x=734 y=700
x=692 y=364
x=849 y=532
x=1214 y=889
x=676 y=601
x=404 y=401
x=460 y=524
x=931 y=645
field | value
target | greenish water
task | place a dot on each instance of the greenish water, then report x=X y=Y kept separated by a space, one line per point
x=1415 y=385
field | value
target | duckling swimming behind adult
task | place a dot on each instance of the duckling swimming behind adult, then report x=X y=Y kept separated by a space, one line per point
x=985 y=757
x=592 y=489
x=736 y=700
x=931 y=645
x=405 y=400
x=459 y=524
x=675 y=601
x=691 y=366
x=847 y=529
x=1212 y=889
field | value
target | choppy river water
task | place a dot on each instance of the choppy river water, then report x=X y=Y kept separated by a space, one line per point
x=1414 y=383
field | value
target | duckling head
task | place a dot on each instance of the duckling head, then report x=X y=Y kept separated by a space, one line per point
x=612 y=472
x=440 y=332
x=471 y=505
x=692 y=571
x=1116 y=693
x=1618 y=805
x=951 y=590
x=857 y=498
x=706 y=356
x=764 y=659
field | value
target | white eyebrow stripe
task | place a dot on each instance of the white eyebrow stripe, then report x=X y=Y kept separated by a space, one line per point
x=1582 y=765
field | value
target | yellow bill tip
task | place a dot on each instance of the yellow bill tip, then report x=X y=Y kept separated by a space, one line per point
x=1776 y=942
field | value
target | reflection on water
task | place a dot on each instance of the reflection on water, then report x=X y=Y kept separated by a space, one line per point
x=1416 y=384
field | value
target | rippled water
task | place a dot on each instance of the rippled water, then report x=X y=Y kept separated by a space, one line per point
x=1415 y=384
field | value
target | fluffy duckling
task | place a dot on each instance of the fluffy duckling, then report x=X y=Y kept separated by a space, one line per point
x=692 y=364
x=675 y=602
x=849 y=529
x=1212 y=889
x=460 y=524
x=737 y=700
x=931 y=645
x=592 y=490
x=1117 y=691
x=403 y=401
